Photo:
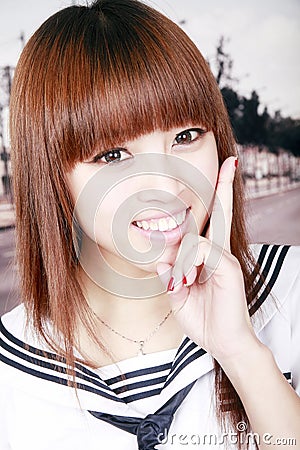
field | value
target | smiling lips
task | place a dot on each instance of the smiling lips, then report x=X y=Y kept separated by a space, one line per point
x=162 y=224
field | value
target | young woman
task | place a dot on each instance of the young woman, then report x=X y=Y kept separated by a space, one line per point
x=147 y=321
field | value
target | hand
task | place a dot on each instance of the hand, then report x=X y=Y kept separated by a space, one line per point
x=211 y=308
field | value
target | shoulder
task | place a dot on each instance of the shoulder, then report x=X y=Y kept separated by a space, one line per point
x=275 y=281
x=28 y=366
x=13 y=331
x=11 y=325
x=277 y=257
x=12 y=328
x=275 y=312
x=16 y=329
x=276 y=272
x=20 y=345
x=14 y=321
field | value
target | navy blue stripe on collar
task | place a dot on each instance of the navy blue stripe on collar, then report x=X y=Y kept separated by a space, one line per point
x=190 y=346
x=140 y=384
x=288 y=377
x=56 y=379
x=141 y=395
x=265 y=270
x=190 y=359
x=42 y=353
x=138 y=373
x=274 y=254
x=176 y=367
x=185 y=341
x=258 y=264
x=17 y=355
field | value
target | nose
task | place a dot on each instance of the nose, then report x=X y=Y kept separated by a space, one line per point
x=164 y=187
x=162 y=195
x=160 y=180
x=159 y=190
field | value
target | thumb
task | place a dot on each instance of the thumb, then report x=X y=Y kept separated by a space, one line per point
x=179 y=294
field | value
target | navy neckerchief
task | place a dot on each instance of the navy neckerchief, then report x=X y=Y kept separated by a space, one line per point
x=149 y=429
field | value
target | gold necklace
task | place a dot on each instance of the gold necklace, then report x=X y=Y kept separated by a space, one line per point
x=140 y=342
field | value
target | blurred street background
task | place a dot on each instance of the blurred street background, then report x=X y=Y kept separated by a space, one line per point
x=253 y=50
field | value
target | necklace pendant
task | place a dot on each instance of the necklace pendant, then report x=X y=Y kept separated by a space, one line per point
x=141 y=349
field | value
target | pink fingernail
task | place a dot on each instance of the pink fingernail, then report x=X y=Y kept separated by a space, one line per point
x=171 y=285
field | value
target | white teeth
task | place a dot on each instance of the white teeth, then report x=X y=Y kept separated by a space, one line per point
x=180 y=218
x=153 y=226
x=172 y=223
x=164 y=224
x=145 y=225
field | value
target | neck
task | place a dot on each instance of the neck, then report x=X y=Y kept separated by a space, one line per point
x=114 y=277
x=110 y=306
x=132 y=302
x=134 y=318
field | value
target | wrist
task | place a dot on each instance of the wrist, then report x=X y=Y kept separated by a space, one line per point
x=245 y=362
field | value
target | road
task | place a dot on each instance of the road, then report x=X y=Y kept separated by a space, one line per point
x=274 y=219
x=8 y=274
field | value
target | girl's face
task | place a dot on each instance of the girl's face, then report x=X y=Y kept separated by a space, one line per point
x=136 y=201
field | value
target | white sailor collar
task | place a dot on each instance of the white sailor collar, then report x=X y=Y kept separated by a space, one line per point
x=278 y=269
x=155 y=378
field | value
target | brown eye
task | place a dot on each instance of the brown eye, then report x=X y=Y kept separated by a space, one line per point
x=111 y=156
x=188 y=136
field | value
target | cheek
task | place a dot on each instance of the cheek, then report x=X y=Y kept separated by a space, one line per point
x=209 y=164
x=205 y=160
x=94 y=209
x=113 y=215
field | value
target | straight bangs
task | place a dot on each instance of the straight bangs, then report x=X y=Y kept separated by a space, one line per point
x=107 y=75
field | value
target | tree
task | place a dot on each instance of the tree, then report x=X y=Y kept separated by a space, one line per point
x=224 y=64
x=251 y=127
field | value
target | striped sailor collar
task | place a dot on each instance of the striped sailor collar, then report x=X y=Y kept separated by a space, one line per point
x=144 y=384
x=273 y=277
x=147 y=382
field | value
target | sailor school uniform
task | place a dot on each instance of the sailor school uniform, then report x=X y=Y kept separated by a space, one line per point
x=162 y=400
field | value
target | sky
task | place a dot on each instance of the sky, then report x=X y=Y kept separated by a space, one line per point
x=263 y=39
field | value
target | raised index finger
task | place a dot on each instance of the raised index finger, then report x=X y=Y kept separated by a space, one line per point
x=221 y=217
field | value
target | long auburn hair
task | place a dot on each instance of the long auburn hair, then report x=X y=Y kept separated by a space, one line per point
x=99 y=75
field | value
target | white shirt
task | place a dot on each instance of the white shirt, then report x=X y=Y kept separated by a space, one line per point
x=38 y=411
